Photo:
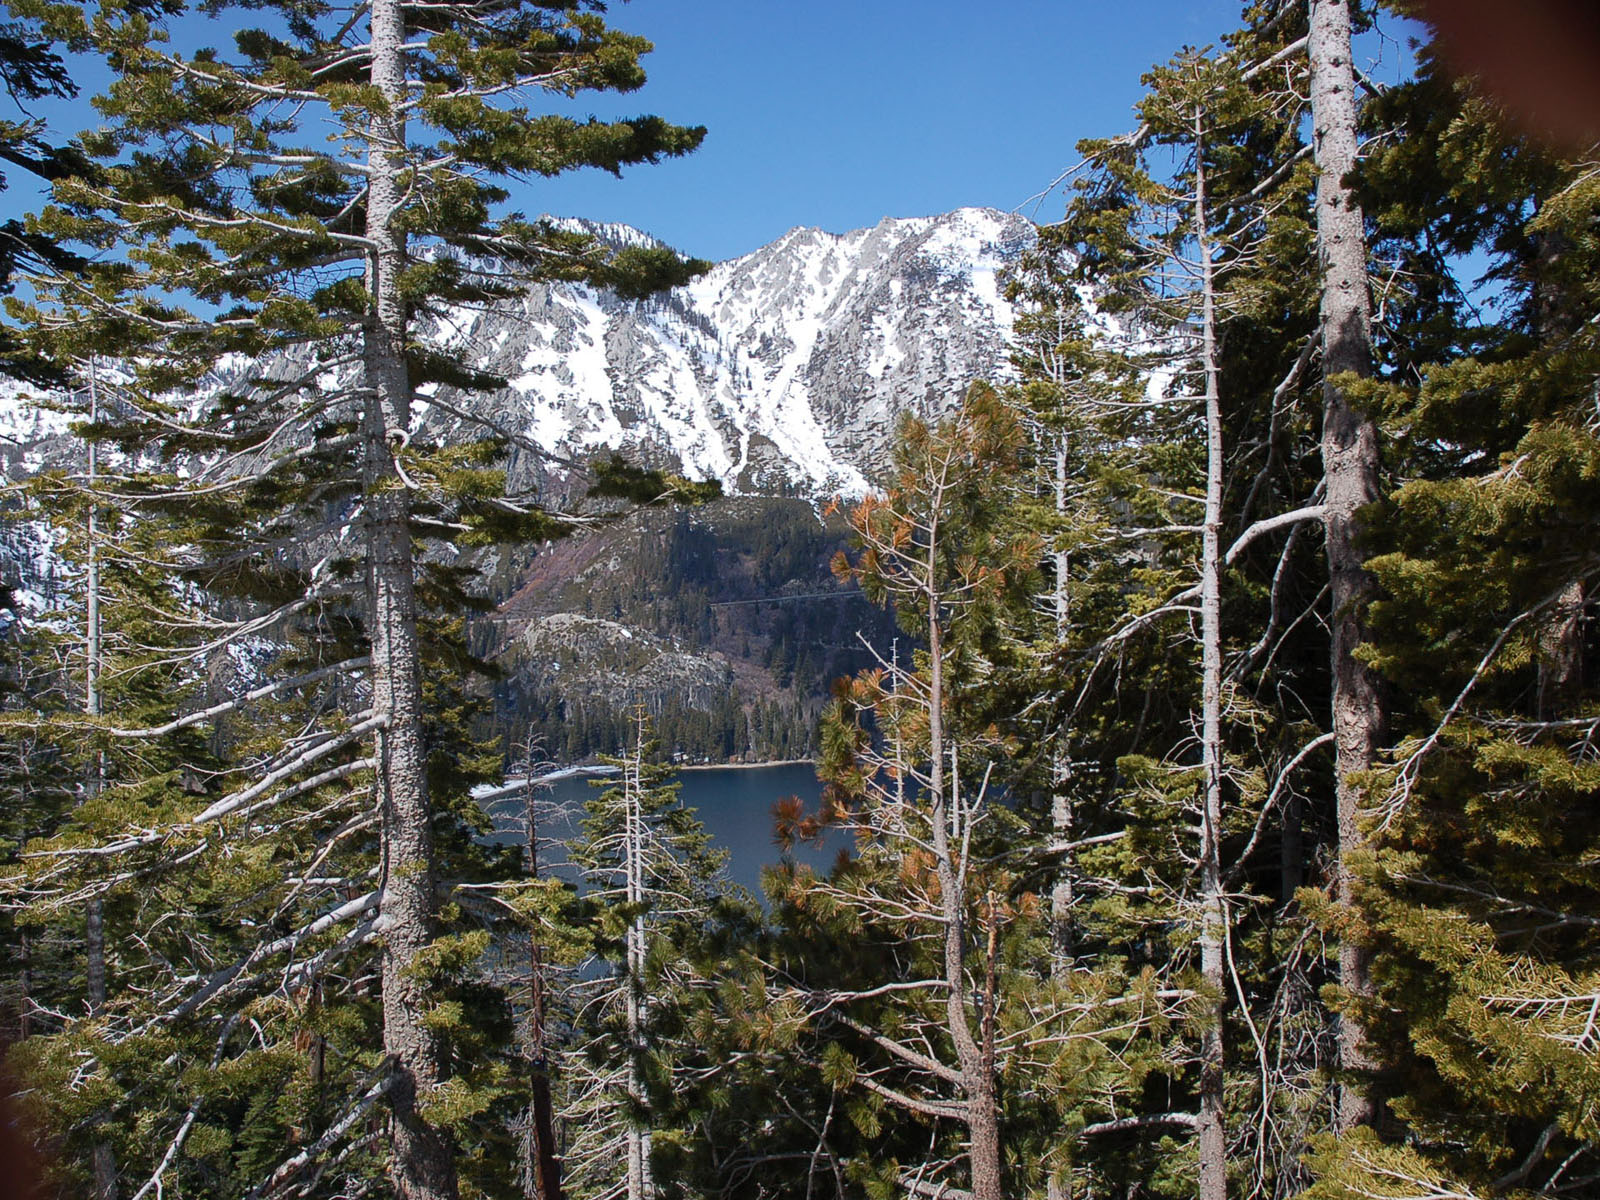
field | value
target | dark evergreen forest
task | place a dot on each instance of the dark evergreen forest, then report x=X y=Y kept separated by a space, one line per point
x=1221 y=759
x=751 y=631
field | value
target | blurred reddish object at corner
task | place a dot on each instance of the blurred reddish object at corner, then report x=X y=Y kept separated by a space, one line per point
x=19 y=1163
x=1540 y=58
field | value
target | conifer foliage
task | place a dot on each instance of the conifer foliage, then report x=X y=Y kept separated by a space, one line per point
x=920 y=796
x=1477 y=883
x=1450 y=1046
x=285 y=219
x=1223 y=818
x=1191 y=493
x=32 y=68
x=655 y=905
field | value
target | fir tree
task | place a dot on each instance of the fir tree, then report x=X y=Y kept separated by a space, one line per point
x=1482 y=811
x=655 y=901
x=319 y=263
x=1161 y=536
x=1350 y=482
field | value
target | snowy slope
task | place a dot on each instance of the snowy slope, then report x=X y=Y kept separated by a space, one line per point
x=30 y=430
x=782 y=370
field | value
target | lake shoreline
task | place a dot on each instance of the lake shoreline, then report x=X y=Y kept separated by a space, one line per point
x=517 y=785
x=732 y=802
x=755 y=766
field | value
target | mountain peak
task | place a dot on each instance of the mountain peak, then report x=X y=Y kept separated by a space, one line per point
x=782 y=371
x=612 y=232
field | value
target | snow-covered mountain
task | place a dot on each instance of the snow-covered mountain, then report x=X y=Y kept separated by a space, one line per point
x=781 y=373
x=782 y=370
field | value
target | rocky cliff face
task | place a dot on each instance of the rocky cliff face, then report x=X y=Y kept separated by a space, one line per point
x=782 y=371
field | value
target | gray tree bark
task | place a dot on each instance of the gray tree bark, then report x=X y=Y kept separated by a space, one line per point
x=1212 y=1129
x=1062 y=898
x=422 y=1161
x=543 y=1179
x=1350 y=469
x=641 y=1179
x=975 y=1054
x=94 y=936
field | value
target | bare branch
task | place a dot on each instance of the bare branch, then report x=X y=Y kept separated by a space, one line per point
x=1147 y=1121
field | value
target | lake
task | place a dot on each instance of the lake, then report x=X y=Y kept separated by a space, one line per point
x=734 y=804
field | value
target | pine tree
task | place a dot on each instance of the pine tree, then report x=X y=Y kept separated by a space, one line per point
x=268 y=926
x=655 y=901
x=290 y=387
x=1135 y=710
x=1350 y=479
x=1482 y=818
x=927 y=1041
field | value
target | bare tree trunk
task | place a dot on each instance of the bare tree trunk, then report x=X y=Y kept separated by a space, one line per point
x=1061 y=888
x=1063 y=895
x=105 y=1162
x=641 y=1183
x=1212 y=1130
x=543 y=1168
x=984 y=1103
x=422 y=1162
x=984 y=1156
x=1350 y=469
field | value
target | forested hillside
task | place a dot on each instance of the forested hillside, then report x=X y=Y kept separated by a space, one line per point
x=723 y=621
x=1209 y=695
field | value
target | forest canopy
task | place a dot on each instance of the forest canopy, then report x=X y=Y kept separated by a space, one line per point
x=1221 y=819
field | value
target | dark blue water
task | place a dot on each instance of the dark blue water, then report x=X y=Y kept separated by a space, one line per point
x=734 y=804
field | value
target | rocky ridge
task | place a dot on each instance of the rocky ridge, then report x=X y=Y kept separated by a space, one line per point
x=784 y=371
x=782 y=374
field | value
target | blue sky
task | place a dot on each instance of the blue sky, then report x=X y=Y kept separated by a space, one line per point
x=837 y=113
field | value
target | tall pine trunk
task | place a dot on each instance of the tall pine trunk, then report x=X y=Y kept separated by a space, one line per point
x=94 y=937
x=1062 y=899
x=422 y=1161
x=1213 y=1139
x=984 y=1157
x=641 y=1180
x=542 y=1167
x=1350 y=469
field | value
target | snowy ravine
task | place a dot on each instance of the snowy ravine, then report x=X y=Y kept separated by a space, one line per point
x=784 y=370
